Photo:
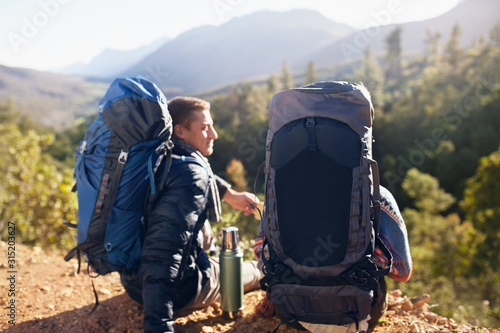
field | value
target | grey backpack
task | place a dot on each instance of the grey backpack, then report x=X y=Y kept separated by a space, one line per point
x=322 y=205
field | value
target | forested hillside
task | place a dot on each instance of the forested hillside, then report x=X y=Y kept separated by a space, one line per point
x=437 y=132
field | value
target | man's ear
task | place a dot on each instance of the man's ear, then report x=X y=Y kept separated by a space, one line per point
x=179 y=131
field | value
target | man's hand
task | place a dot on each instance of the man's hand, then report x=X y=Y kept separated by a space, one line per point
x=244 y=201
x=265 y=308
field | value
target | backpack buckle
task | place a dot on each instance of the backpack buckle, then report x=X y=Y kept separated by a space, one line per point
x=164 y=147
x=123 y=157
x=83 y=147
x=359 y=277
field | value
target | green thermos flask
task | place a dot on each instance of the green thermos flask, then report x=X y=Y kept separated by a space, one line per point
x=231 y=279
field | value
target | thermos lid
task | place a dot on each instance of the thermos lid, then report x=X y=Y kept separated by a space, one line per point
x=230 y=239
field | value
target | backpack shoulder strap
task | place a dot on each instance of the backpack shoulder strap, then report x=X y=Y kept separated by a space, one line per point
x=176 y=159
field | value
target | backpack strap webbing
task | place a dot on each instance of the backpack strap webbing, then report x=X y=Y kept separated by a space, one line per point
x=311 y=133
x=95 y=292
x=163 y=150
x=71 y=254
x=110 y=190
x=376 y=194
x=376 y=220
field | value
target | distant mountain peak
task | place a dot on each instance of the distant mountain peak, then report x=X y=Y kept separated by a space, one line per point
x=111 y=62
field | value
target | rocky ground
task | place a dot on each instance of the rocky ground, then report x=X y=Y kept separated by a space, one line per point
x=51 y=297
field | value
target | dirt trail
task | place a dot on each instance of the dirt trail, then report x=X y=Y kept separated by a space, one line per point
x=51 y=297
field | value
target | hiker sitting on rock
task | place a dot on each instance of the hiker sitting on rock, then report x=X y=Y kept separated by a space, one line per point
x=176 y=273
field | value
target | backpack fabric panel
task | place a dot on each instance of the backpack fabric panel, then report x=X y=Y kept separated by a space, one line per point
x=135 y=110
x=88 y=172
x=325 y=304
x=328 y=180
x=351 y=106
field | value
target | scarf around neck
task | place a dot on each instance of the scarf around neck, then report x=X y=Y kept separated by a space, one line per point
x=213 y=200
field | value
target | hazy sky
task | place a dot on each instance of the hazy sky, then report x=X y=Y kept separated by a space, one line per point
x=49 y=34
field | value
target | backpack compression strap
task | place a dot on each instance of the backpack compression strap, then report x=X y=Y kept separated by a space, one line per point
x=376 y=220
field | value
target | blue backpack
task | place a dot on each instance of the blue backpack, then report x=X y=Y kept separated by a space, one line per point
x=120 y=165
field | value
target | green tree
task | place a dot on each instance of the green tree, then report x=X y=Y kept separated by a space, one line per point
x=454 y=51
x=310 y=76
x=482 y=195
x=272 y=84
x=286 y=76
x=393 y=56
x=237 y=173
x=495 y=34
x=242 y=134
x=433 y=48
x=444 y=250
x=372 y=76
x=481 y=205
x=65 y=142
x=35 y=194
x=425 y=191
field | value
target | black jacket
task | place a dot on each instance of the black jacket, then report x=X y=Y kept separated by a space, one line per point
x=172 y=256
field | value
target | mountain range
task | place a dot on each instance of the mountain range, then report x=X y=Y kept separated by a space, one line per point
x=246 y=47
x=110 y=63
x=258 y=44
x=251 y=47
x=476 y=19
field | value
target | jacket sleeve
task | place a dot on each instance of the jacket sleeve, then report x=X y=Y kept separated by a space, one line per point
x=171 y=224
x=395 y=237
x=222 y=186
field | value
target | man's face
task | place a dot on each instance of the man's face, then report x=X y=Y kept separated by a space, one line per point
x=201 y=133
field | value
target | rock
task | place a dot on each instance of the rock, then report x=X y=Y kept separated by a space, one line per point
x=432 y=328
x=431 y=317
x=66 y=292
x=396 y=293
x=414 y=328
x=407 y=305
x=442 y=321
x=216 y=305
x=138 y=330
x=419 y=301
x=105 y=291
x=390 y=313
x=45 y=289
x=92 y=323
x=452 y=324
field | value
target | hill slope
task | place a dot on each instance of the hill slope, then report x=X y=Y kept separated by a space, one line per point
x=54 y=100
x=51 y=297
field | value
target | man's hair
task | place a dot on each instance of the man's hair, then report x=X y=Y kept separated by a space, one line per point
x=182 y=109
